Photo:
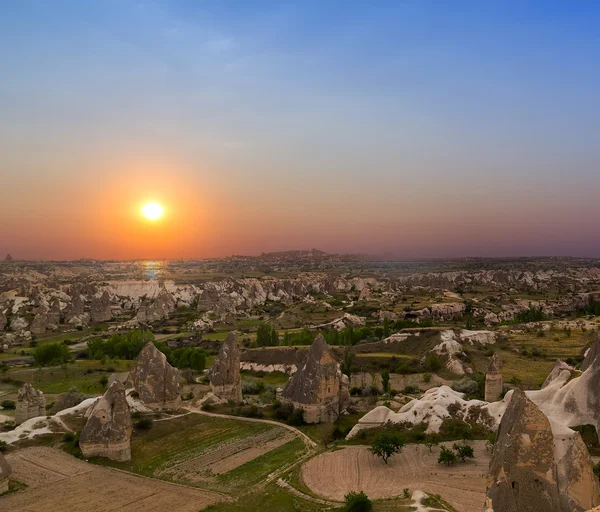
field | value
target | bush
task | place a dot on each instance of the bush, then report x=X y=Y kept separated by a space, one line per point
x=357 y=502
x=144 y=424
x=447 y=456
x=104 y=380
x=411 y=390
x=466 y=385
x=427 y=377
x=463 y=451
x=52 y=354
x=297 y=418
x=3 y=446
x=433 y=363
x=8 y=404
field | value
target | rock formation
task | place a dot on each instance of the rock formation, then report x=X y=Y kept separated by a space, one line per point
x=100 y=310
x=154 y=379
x=591 y=353
x=40 y=320
x=31 y=403
x=54 y=312
x=538 y=466
x=318 y=387
x=107 y=432
x=556 y=372
x=8 y=258
x=3 y=321
x=493 y=379
x=5 y=471
x=225 y=379
x=162 y=307
x=75 y=311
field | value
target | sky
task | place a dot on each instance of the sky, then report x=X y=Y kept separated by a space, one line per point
x=408 y=129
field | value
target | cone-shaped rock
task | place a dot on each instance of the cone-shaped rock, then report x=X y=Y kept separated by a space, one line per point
x=537 y=466
x=155 y=380
x=225 y=379
x=8 y=258
x=107 y=432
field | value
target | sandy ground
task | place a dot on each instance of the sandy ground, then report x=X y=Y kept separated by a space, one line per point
x=332 y=474
x=58 y=482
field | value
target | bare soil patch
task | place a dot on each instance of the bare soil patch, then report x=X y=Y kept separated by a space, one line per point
x=333 y=474
x=58 y=482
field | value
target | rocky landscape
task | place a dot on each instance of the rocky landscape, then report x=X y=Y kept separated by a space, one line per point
x=198 y=373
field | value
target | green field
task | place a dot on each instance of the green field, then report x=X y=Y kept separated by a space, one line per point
x=171 y=442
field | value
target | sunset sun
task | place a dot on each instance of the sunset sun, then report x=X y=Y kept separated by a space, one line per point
x=152 y=211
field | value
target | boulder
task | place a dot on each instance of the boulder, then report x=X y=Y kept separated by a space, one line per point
x=154 y=379
x=538 y=466
x=31 y=403
x=107 y=432
x=225 y=379
x=5 y=471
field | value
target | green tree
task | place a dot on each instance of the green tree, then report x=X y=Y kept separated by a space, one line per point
x=385 y=445
x=274 y=338
x=386 y=327
x=385 y=381
x=263 y=335
x=464 y=451
x=103 y=380
x=357 y=502
x=51 y=354
x=432 y=440
x=347 y=361
x=447 y=456
x=433 y=362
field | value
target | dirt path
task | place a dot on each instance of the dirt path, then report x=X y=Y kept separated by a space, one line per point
x=333 y=474
x=296 y=492
x=57 y=482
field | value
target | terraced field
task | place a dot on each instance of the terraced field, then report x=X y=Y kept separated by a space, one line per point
x=217 y=453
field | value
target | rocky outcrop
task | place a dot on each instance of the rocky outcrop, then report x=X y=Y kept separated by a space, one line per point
x=100 y=310
x=5 y=471
x=225 y=379
x=31 y=403
x=160 y=309
x=40 y=321
x=3 y=321
x=493 y=379
x=8 y=258
x=154 y=379
x=591 y=353
x=54 y=312
x=557 y=372
x=107 y=432
x=318 y=387
x=69 y=399
x=538 y=466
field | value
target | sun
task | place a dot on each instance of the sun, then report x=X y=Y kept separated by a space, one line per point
x=152 y=211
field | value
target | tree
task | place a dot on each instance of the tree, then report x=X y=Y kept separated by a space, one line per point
x=274 y=338
x=347 y=361
x=385 y=380
x=432 y=440
x=263 y=335
x=386 y=327
x=447 y=456
x=357 y=502
x=464 y=451
x=103 y=380
x=52 y=354
x=387 y=444
x=325 y=432
x=433 y=362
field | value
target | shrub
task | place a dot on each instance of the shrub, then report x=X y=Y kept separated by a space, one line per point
x=3 y=446
x=411 y=390
x=297 y=418
x=433 y=362
x=144 y=424
x=52 y=354
x=8 y=404
x=103 y=381
x=466 y=385
x=463 y=451
x=427 y=378
x=357 y=502
x=447 y=456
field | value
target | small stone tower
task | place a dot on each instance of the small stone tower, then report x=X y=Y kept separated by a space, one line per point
x=493 y=380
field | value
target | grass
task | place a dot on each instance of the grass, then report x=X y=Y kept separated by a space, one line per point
x=85 y=375
x=170 y=442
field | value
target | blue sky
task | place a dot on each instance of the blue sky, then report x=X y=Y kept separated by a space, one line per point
x=416 y=117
